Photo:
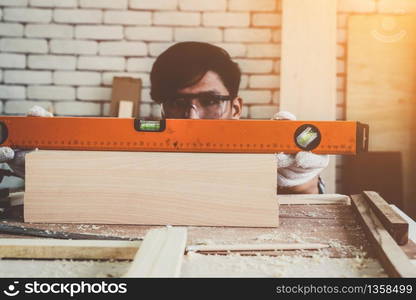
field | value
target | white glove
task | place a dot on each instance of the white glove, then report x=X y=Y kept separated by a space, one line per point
x=15 y=158
x=300 y=168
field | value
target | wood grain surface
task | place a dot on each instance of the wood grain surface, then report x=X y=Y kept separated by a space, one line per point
x=103 y=187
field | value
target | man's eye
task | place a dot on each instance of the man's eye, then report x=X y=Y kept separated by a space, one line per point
x=179 y=102
x=209 y=100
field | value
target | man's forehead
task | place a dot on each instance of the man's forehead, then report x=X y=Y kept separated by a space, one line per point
x=210 y=82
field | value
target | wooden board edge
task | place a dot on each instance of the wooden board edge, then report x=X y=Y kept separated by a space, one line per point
x=391 y=256
x=160 y=254
x=312 y=199
x=392 y=221
x=68 y=249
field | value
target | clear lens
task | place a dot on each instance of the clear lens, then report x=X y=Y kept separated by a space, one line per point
x=206 y=106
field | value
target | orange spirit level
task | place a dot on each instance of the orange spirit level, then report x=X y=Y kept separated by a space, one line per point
x=180 y=135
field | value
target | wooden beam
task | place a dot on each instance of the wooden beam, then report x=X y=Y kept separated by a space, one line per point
x=151 y=188
x=308 y=64
x=313 y=199
x=391 y=256
x=160 y=254
x=255 y=247
x=392 y=221
x=68 y=249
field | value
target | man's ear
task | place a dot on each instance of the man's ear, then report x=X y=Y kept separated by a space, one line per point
x=236 y=108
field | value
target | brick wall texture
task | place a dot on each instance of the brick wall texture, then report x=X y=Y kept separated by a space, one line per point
x=63 y=54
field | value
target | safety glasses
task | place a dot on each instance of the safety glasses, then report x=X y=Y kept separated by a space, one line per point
x=202 y=106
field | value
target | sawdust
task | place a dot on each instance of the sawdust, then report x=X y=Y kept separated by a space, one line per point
x=62 y=268
x=319 y=265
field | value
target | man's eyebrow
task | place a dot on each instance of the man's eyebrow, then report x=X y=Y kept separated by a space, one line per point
x=214 y=92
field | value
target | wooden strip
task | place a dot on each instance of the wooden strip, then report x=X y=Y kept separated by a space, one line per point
x=160 y=254
x=125 y=109
x=305 y=199
x=148 y=188
x=67 y=249
x=308 y=64
x=391 y=256
x=411 y=222
x=392 y=221
x=256 y=247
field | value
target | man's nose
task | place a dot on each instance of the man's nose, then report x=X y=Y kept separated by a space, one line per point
x=193 y=112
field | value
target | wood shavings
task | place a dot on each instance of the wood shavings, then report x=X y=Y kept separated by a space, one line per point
x=61 y=268
x=235 y=265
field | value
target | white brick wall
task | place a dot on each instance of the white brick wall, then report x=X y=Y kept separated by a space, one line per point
x=127 y=17
x=139 y=64
x=12 y=92
x=247 y=35
x=94 y=93
x=23 y=45
x=49 y=31
x=54 y=92
x=77 y=108
x=13 y=2
x=248 y=5
x=22 y=107
x=73 y=47
x=100 y=63
x=198 y=34
x=203 y=5
x=33 y=15
x=10 y=60
x=177 y=18
x=110 y=4
x=11 y=29
x=149 y=33
x=27 y=77
x=78 y=46
x=77 y=78
x=223 y=19
x=77 y=16
x=154 y=4
x=53 y=3
x=122 y=49
x=51 y=62
x=99 y=32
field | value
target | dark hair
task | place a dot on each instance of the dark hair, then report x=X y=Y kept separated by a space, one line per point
x=184 y=64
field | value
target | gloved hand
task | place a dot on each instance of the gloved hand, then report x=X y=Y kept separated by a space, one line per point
x=297 y=169
x=15 y=158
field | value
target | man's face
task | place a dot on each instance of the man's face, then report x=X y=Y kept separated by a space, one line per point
x=207 y=99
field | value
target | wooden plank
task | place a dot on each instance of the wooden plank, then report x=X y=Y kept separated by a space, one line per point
x=411 y=222
x=160 y=254
x=392 y=221
x=103 y=187
x=255 y=247
x=67 y=249
x=127 y=89
x=391 y=256
x=311 y=199
x=381 y=88
x=125 y=109
x=308 y=64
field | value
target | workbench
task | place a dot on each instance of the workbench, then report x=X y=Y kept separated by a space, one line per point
x=349 y=252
